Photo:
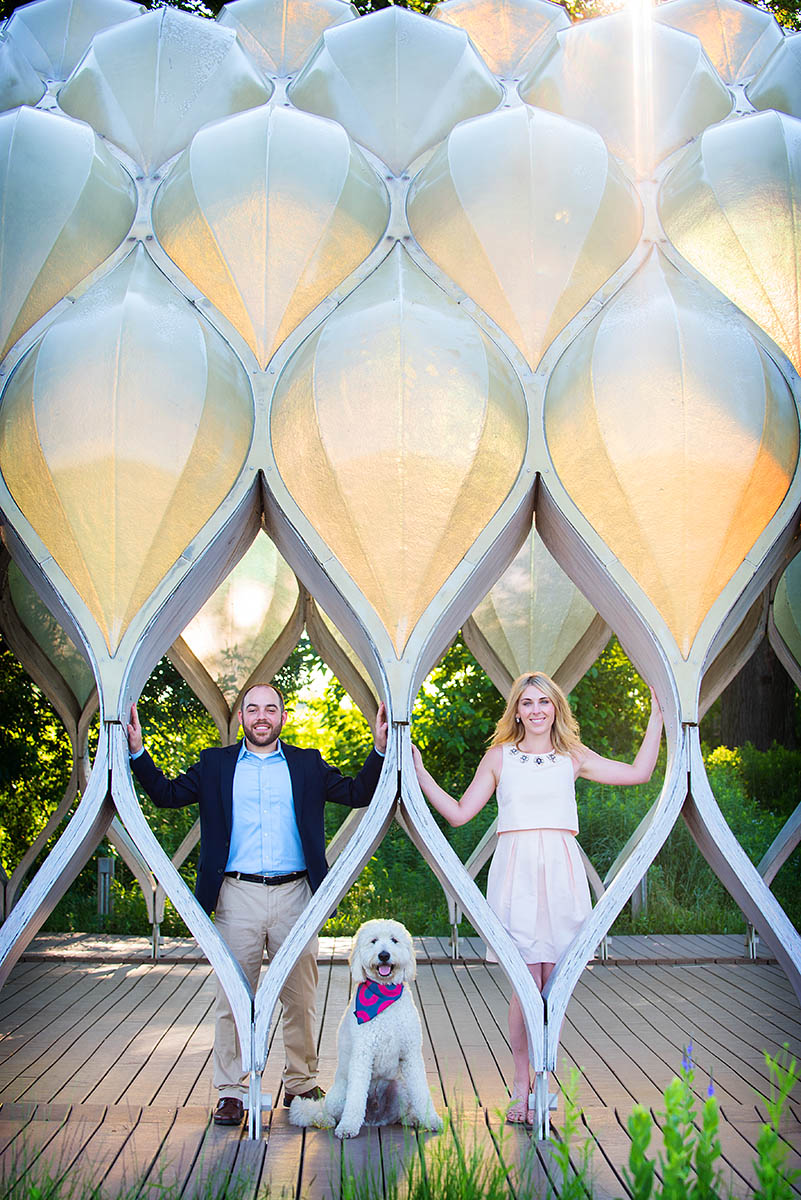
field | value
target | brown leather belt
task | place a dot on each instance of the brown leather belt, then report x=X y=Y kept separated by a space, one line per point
x=267 y=880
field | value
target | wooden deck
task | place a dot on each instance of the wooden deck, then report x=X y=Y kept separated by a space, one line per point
x=104 y=1063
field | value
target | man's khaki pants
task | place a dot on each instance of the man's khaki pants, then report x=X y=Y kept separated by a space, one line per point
x=248 y=917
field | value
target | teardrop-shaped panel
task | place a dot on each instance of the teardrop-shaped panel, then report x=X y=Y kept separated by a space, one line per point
x=397 y=81
x=58 y=647
x=399 y=430
x=787 y=608
x=534 y=615
x=237 y=625
x=19 y=83
x=266 y=213
x=732 y=207
x=778 y=84
x=647 y=90
x=120 y=434
x=279 y=35
x=149 y=85
x=533 y=234
x=738 y=38
x=677 y=437
x=510 y=35
x=67 y=204
x=55 y=34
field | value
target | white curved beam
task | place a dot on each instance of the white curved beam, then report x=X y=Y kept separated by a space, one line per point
x=226 y=967
x=735 y=870
x=72 y=850
x=335 y=658
x=440 y=856
x=781 y=847
x=651 y=835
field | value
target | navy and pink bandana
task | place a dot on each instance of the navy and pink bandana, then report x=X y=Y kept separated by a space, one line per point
x=372 y=998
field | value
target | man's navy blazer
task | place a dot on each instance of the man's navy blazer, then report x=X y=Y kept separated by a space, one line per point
x=210 y=785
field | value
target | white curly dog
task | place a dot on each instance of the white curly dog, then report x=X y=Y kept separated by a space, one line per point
x=380 y=1077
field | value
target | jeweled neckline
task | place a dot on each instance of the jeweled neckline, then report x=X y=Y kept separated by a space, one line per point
x=536 y=760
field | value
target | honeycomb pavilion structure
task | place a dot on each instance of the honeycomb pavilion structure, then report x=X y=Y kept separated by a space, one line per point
x=386 y=290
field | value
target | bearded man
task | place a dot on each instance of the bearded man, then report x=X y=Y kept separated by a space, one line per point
x=262 y=855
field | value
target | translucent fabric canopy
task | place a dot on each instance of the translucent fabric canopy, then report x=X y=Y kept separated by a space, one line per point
x=787 y=608
x=747 y=241
x=359 y=70
x=534 y=615
x=237 y=625
x=267 y=212
x=53 y=35
x=643 y=114
x=533 y=238
x=66 y=205
x=279 y=35
x=677 y=436
x=398 y=414
x=737 y=38
x=778 y=84
x=118 y=468
x=510 y=35
x=194 y=70
x=19 y=83
x=59 y=649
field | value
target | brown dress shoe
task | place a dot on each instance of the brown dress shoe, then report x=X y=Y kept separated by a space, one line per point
x=315 y=1093
x=229 y=1111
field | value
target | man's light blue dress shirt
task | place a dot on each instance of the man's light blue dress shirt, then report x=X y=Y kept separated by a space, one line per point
x=264 y=837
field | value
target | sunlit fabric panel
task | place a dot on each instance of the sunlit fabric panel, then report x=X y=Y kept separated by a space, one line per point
x=58 y=648
x=237 y=626
x=398 y=415
x=738 y=38
x=778 y=84
x=739 y=224
x=787 y=608
x=266 y=213
x=533 y=234
x=67 y=204
x=510 y=35
x=344 y=645
x=120 y=434
x=55 y=34
x=676 y=436
x=360 y=71
x=150 y=84
x=645 y=87
x=19 y=83
x=279 y=35
x=534 y=615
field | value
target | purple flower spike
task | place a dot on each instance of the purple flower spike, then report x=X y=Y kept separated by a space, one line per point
x=710 y=1091
x=687 y=1058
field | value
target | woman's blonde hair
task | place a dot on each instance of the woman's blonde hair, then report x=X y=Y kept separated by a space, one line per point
x=565 y=735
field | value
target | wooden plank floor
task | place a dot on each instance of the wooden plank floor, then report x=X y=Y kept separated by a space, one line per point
x=105 y=1065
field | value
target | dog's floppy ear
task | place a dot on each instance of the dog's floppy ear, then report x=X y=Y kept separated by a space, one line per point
x=410 y=966
x=357 y=972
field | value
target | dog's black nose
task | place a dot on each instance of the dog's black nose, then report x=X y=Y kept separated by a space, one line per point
x=383 y=956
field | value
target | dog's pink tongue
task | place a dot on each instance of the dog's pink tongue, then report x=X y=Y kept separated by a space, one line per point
x=385 y=969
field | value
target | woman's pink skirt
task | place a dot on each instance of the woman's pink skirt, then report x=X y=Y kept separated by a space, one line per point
x=538 y=889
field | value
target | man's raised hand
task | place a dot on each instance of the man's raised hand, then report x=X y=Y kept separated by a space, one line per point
x=134 y=732
x=381 y=729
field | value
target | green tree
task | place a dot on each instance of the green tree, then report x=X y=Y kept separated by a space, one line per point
x=35 y=760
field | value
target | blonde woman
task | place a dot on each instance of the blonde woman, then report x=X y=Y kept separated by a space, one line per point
x=537 y=885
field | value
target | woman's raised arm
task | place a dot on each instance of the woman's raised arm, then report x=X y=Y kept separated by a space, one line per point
x=608 y=770
x=479 y=791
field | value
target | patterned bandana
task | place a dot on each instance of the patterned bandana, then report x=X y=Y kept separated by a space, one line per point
x=372 y=998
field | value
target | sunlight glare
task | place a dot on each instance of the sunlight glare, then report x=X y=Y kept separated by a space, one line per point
x=642 y=75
